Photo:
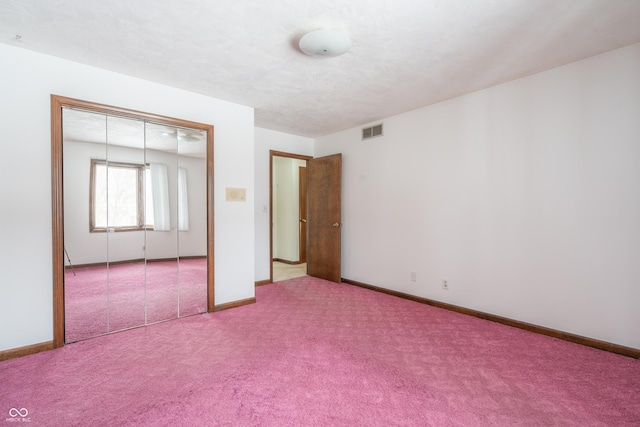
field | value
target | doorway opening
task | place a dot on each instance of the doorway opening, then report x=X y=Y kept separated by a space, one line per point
x=317 y=226
x=288 y=231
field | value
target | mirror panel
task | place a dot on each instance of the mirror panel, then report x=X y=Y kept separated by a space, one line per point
x=192 y=221
x=125 y=167
x=85 y=253
x=162 y=239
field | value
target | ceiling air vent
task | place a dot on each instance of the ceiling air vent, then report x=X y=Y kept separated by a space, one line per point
x=372 y=132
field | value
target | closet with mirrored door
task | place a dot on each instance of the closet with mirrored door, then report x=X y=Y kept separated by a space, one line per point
x=135 y=239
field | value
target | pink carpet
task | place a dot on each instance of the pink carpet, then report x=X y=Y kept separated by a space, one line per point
x=96 y=306
x=315 y=353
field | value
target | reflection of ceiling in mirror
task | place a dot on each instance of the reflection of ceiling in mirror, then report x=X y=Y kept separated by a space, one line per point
x=84 y=126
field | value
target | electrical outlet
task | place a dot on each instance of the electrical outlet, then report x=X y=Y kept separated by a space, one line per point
x=445 y=284
x=413 y=276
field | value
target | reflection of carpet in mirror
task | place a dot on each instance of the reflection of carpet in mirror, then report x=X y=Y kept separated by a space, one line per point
x=96 y=306
x=284 y=271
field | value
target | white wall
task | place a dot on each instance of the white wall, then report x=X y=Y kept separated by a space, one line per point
x=525 y=196
x=286 y=209
x=27 y=79
x=267 y=140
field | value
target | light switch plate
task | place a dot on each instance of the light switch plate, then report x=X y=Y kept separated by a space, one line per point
x=236 y=194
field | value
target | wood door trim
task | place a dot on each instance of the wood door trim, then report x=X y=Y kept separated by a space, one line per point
x=275 y=153
x=272 y=154
x=57 y=218
x=57 y=200
x=302 y=209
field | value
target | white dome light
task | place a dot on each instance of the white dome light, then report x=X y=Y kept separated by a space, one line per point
x=325 y=43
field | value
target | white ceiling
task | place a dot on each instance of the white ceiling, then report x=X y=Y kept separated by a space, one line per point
x=406 y=53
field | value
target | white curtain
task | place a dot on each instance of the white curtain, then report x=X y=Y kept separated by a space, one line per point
x=183 y=201
x=160 y=190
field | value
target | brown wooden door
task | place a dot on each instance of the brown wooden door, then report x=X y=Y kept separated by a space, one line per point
x=324 y=205
x=302 y=203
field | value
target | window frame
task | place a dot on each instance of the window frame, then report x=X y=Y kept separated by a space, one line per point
x=140 y=187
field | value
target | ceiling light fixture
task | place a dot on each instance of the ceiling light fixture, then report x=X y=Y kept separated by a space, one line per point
x=327 y=43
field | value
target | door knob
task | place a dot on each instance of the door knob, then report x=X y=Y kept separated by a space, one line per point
x=303 y=220
x=336 y=224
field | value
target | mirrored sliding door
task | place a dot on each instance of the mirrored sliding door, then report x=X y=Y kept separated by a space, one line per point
x=135 y=222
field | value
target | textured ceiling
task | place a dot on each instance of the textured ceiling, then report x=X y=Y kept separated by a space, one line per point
x=406 y=53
